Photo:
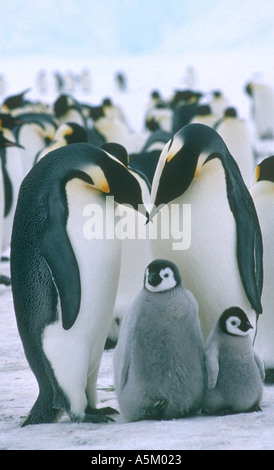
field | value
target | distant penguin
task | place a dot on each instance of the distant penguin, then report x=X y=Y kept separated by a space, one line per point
x=114 y=128
x=218 y=104
x=159 y=358
x=204 y=115
x=185 y=104
x=214 y=236
x=235 y=373
x=14 y=102
x=237 y=136
x=159 y=118
x=6 y=195
x=65 y=273
x=121 y=81
x=262 y=108
x=67 y=133
x=262 y=192
x=68 y=109
x=32 y=134
x=146 y=160
x=13 y=174
x=158 y=113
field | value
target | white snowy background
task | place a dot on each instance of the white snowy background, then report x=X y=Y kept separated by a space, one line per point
x=227 y=43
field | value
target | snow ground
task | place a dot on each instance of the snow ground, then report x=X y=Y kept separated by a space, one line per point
x=18 y=387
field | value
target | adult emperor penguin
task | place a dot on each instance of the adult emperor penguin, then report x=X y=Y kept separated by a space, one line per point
x=159 y=357
x=204 y=115
x=68 y=109
x=262 y=192
x=235 y=373
x=33 y=133
x=13 y=174
x=5 y=194
x=262 y=108
x=237 y=136
x=214 y=235
x=65 y=271
x=67 y=133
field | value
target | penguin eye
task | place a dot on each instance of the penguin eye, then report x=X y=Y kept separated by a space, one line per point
x=233 y=323
x=166 y=275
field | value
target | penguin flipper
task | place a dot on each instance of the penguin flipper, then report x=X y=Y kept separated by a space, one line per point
x=59 y=255
x=212 y=365
x=249 y=237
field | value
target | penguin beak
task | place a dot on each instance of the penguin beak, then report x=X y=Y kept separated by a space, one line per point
x=247 y=326
x=121 y=184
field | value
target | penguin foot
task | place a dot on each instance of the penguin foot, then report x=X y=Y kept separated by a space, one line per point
x=5 y=280
x=95 y=415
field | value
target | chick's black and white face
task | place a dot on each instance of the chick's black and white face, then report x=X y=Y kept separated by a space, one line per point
x=234 y=321
x=234 y=326
x=159 y=278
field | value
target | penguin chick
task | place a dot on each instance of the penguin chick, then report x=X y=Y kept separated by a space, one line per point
x=235 y=373
x=159 y=357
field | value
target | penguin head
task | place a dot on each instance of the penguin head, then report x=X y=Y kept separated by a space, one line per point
x=235 y=322
x=63 y=104
x=71 y=132
x=107 y=174
x=161 y=275
x=14 y=101
x=230 y=112
x=265 y=170
x=5 y=141
x=181 y=159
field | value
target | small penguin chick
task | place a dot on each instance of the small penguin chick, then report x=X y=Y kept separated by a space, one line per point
x=159 y=358
x=235 y=373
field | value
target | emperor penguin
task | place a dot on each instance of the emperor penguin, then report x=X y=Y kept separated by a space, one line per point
x=218 y=103
x=65 y=268
x=204 y=115
x=32 y=134
x=67 y=133
x=13 y=174
x=237 y=135
x=6 y=192
x=159 y=358
x=68 y=109
x=235 y=373
x=262 y=108
x=206 y=222
x=262 y=192
x=115 y=129
x=146 y=160
x=15 y=103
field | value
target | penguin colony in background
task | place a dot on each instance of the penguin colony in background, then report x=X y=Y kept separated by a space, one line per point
x=179 y=319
